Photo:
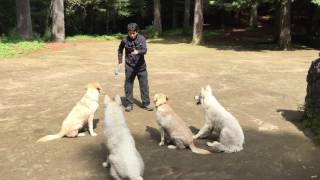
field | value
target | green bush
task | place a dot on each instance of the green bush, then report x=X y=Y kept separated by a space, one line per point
x=150 y=32
x=177 y=32
x=311 y=119
x=47 y=35
x=215 y=32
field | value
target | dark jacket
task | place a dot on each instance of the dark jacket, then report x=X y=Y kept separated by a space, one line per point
x=136 y=62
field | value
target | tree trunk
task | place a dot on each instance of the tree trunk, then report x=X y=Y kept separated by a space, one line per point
x=254 y=16
x=198 y=22
x=157 y=16
x=314 y=27
x=58 y=30
x=174 y=14
x=107 y=21
x=186 y=18
x=236 y=15
x=285 y=34
x=24 y=24
x=48 y=22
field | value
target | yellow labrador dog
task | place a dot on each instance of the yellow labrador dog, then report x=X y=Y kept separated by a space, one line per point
x=174 y=126
x=81 y=114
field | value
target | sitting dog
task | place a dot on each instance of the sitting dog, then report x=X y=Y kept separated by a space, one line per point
x=174 y=126
x=124 y=159
x=81 y=114
x=218 y=119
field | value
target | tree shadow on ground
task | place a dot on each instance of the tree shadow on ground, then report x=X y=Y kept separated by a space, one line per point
x=234 y=39
x=236 y=46
x=295 y=117
x=265 y=156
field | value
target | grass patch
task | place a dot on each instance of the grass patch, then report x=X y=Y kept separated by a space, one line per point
x=310 y=120
x=13 y=46
x=94 y=37
x=215 y=32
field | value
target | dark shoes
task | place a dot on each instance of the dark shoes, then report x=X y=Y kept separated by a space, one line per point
x=148 y=107
x=130 y=108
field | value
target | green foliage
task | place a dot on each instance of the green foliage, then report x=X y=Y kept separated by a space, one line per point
x=122 y=8
x=230 y=5
x=47 y=35
x=7 y=16
x=317 y=2
x=150 y=32
x=93 y=16
x=138 y=7
x=13 y=46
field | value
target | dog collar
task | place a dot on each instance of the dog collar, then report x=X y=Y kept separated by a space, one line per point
x=161 y=104
x=93 y=99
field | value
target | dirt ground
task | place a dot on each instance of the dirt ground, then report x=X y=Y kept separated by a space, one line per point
x=262 y=88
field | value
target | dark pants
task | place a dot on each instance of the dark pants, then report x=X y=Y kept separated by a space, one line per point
x=143 y=84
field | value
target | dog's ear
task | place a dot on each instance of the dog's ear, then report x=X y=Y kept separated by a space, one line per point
x=106 y=99
x=118 y=100
x=99 y=88
x=202 y=91
x=208 y=89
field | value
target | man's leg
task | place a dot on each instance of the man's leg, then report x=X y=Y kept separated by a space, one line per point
x=128 y=85
x=144 y=89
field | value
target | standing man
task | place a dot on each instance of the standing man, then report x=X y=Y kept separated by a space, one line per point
x=135 y=65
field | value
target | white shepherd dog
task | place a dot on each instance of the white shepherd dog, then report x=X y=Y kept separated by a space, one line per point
x=219 y=120
x=124 y=159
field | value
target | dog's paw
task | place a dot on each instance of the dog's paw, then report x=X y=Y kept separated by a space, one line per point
x=105 y=164
x=82 y=134
x=172 y=147
x=94 y=134
x=161 y=143
x=210 y=144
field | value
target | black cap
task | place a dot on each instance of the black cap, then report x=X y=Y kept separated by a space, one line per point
x=133 y=27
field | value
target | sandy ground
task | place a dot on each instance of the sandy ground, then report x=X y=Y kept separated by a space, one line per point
x=263 y=89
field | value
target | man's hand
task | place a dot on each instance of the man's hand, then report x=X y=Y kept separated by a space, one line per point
x=120 y=67
x=134 y=52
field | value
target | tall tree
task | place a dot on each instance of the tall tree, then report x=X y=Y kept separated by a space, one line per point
x=254 y=15
x=157 y=16
x=58 y=26
x=174 y=14
x=198 y=22
x=48 y=24
x=314 y=26
x=186 y=18
x=285 y=22
x=24 y=24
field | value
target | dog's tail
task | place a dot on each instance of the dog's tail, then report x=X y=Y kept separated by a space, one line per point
x=51 y=137
x=198 y=150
